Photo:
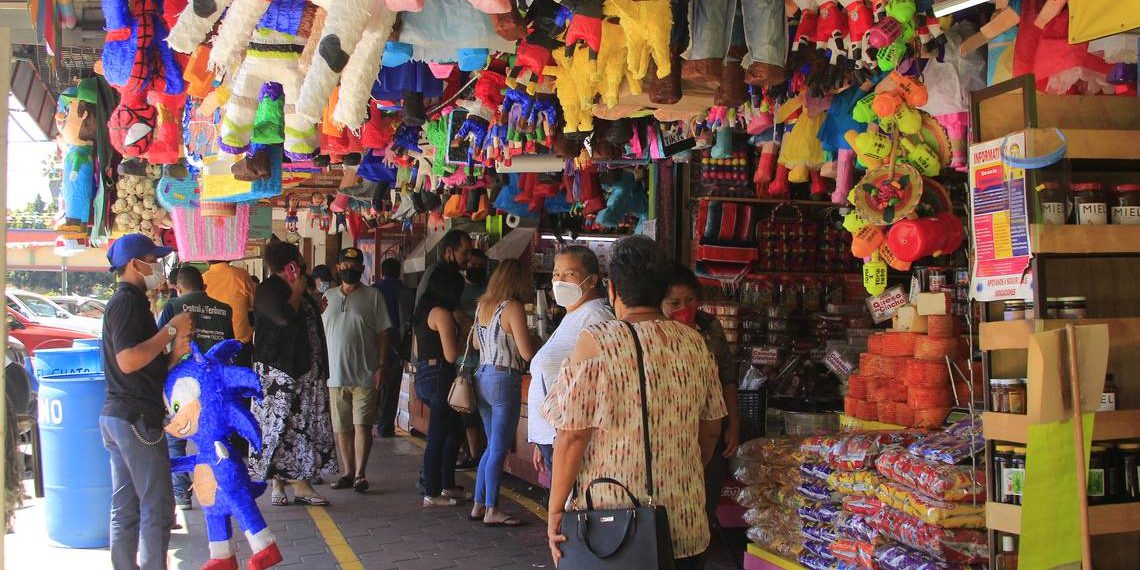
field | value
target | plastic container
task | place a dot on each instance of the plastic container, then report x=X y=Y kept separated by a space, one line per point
x=87 y=342
x=77 y=472
x=68 y=361
x=803 y=423
x=1091 y=204
x=1125 y=204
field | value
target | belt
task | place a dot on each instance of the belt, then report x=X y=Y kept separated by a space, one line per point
x=431 y=362
x=504 y=369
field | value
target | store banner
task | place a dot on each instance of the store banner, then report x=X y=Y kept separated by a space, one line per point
x=999 y=223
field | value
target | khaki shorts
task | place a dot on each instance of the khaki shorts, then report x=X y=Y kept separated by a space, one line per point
x=354 y=406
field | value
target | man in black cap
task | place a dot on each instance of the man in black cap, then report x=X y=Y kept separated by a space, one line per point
x=357 y=317
x=136 y=359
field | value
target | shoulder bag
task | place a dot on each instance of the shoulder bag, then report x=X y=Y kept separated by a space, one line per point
x=632 y=537
x=461 y=396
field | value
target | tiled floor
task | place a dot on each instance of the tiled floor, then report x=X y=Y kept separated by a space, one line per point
x=383 y=529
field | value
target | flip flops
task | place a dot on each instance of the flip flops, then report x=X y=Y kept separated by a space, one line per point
x=509 y=521
x=312 y=501
x=342 y=483
x=360 y=485
x=279 y=500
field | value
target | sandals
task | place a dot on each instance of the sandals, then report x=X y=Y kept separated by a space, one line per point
x=360 y=485
x=342 y=483
x=279 y=500
x=509 y=521
x=311 y=500
x=441 y=501
x=458 y=493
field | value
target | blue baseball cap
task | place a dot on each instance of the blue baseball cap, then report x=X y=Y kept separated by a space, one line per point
x=133 y=246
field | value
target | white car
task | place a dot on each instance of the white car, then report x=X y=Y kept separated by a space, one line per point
x=82 y=306
x=40 y=309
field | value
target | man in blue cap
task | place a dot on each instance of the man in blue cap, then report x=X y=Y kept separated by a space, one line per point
x=136 y=358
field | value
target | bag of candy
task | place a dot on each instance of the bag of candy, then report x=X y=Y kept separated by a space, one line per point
x=932 y=511
x=855 y=482
x=954 y=444
x=819 y=471
x=820 y=512
x=819 y=532
x=960 y=546
x=955 y=483
x=854 y=552
x=817 y=490
x=862 y=504
x=857 y=527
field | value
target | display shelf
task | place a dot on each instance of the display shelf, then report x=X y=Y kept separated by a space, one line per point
x=1103 y=519
x=1085 y=240
x=1003 y=113
x=1005 y=335
x=1014 y=428
x=774 y=201
x=771 y=560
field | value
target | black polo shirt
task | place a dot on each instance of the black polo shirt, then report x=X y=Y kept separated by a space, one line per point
x=128 y=322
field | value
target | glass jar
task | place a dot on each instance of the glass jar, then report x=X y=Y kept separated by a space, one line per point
x=1125 y=202
x=1014 y=479
x=1109 y=396
x=1130 y=463
x=1091 y=204
x=1073 y=308
x=1002 y=456
x=790 y=294
x=1052 y=307
x=1054 y=204
x=1014 y=311
x=1030 y=310
x=1094 y=483
x=999 y=395
x=1016 y=395
x=1113 y=475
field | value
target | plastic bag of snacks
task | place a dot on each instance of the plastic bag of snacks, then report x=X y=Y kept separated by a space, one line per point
x=772 y=450
x=954 y=444
x=818 y=548
x=953 y=483
x=932 y=511
x=894 y=556
x=819 y=532
x=817 y=490
x=862 y=505
x=854 y=552
x=816 y=562
x=788 y=547
x=814 y=470
x=820 y=512
x=857 y=452
x=760 y=474
x=855 y=482
x=857 y=527
x=962 y=546
x=818 y=446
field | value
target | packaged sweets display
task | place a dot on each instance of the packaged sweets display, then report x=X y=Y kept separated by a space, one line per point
x=857 y=452
x=815 y=562
x=932 y=511
x=818 y=548
x=961 y=546
x=814 y=470
x=857 y=527
x=820 y=512
x=954 y=444
x=773 y=451
x=855 y=482
x=937 y=480
x=862 y=505
x=785 y=546
x=818 y=446
x=854 y=552
x=819 y=532
x=817 y=490
x=893 y=556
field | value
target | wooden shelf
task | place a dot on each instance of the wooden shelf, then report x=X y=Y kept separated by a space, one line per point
x=1121 y=424
x=747 y=200
x=1004 y=335
x=1103 y=519
x=1085 y=240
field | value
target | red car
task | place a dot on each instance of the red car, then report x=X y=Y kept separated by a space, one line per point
x=35 y=335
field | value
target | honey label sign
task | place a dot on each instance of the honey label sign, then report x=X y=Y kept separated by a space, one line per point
x=885 y=305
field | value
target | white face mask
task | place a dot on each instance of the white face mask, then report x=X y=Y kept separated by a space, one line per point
x=153 y=280
x=323 y=287
x=567 y=294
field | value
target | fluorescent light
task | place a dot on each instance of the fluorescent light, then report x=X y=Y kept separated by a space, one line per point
x=947 y=7
x=583 y=238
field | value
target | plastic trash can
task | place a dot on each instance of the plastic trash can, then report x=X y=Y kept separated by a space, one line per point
x=98 y=342
x=68 y=361
x=76 y=466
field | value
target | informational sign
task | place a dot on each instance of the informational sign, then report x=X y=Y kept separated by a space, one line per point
x=1000 y=223
x=885 y=305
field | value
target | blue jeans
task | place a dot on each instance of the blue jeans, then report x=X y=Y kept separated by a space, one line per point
x=445 y=427
x=712 y=24
x=499 y=394
x=181 y=481
x=142 y=500
x=546 y=450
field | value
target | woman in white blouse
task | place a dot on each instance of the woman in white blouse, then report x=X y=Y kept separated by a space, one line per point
x=577 y=287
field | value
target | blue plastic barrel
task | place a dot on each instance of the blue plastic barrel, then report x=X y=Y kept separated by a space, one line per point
x=87 y=342
x=68 y=361
x=77 y=471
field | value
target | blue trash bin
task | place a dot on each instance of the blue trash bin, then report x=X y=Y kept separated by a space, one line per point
x=68 y=361
x=87 y=342
x=76 y=466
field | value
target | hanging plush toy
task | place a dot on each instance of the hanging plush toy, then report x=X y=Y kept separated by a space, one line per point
x=139 y=63
x=319 y=212
x=87 y=162
x=204 y=393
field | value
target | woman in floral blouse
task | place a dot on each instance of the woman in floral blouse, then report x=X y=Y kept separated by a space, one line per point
x=595 y=407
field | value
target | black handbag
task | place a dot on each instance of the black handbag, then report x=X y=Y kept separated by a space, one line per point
x=636 y=537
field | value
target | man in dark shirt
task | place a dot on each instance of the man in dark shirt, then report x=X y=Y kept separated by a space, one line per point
x=135 y=366
x=454 y=249
x=390 y=286
x=213 y=323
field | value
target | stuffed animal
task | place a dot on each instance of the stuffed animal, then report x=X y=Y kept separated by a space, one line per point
x=204 y=395
x=140 y=64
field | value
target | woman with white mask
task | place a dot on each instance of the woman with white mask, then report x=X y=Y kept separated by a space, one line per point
x=576 y=285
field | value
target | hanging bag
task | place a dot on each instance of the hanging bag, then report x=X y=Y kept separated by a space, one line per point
x=461 y=397
x=632 y=537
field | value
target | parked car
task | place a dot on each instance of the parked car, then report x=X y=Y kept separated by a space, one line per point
x=44 y=311
x=21 y=384
x=36 y=335
x=82 y=306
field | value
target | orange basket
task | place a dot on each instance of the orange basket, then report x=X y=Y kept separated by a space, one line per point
x=933 y=348
x=930 y=418
x=941 y=326
x=897 y=343
x=886 y=412
x=927 y=398
x=926 y=373
x=904 y=415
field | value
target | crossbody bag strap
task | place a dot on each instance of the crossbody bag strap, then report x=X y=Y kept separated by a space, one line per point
x=644 y=411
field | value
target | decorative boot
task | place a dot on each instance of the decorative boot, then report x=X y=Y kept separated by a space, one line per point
x=265 y=558
x=221 y=563
x=252 y=168
x=665 y=91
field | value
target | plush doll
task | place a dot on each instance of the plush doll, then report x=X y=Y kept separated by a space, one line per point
x=319 y=212
x=352 y=43
x=139 y=63
x=204 y=395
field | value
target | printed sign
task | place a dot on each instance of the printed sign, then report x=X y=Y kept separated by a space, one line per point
x=885 y=305
x=838 y=364
x=999 y=223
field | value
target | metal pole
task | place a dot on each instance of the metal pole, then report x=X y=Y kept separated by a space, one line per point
x=5 y=84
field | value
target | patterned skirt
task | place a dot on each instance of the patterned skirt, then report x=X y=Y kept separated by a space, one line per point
x=296 y=428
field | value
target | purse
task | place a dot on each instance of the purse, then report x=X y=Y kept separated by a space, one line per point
x=461 y=396
x=637 y=537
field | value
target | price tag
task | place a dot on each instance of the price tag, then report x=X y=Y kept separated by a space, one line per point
x=766 y=355
x=884 y=306
x=838 y=364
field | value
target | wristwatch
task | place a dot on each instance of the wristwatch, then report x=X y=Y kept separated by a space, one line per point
x=171 y=331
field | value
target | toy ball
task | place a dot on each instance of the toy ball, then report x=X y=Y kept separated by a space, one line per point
x=132 y=128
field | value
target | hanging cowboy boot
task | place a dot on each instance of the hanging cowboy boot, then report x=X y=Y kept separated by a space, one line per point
x=732 y=91
x=252 y=168
x=667 y=90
